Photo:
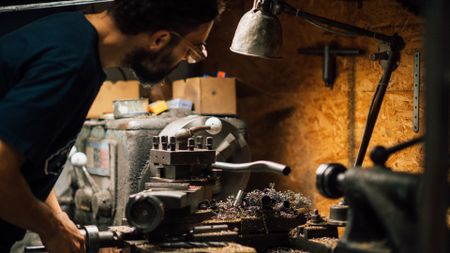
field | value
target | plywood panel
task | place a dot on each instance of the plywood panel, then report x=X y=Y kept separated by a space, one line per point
x=300 y=122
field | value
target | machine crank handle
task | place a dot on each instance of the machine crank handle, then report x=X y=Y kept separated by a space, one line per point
x=257 y=166
x=213 y=126
x=380 y=154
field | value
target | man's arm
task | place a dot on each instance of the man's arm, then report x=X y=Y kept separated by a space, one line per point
x=24 y=210
x=21 y=207
x=52 y=202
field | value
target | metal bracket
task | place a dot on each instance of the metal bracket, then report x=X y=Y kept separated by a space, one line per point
x=416 y=90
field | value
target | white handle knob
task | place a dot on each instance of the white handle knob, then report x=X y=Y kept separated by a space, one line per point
x=215 y=124
x=79 y=159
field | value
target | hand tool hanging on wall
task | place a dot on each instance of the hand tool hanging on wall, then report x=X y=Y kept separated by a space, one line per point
x=329 y=59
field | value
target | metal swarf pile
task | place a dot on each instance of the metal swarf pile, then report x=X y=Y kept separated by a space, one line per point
x=285 y=250
x=261 y=203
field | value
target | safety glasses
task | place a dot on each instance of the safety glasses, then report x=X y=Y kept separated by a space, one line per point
x=196 y=53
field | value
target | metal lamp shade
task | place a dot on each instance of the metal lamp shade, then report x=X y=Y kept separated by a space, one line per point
x=259 y=35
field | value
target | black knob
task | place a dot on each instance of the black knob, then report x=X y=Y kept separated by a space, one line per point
x=209 y=143
x=156 y=142
x=199 y=142
x=379 y=155
x=173 y=143
x=191 y=143
x=164 y=142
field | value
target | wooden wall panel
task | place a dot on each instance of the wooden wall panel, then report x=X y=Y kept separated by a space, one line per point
x=300 y=122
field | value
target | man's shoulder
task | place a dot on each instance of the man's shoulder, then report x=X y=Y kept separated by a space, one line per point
x=68 y=31
x=64 y=21
x=64 y=38
x=64 y=31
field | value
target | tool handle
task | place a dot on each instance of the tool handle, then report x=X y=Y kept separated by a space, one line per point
x=258 y=166
x=94 y=239
x=35 y=249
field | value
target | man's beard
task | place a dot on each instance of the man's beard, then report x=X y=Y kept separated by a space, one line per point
x=151 y=67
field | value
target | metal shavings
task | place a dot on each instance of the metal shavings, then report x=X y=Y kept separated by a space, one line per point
x=263 y=203
x=295 y=232
x=285 y=250
x=121 y=229
x=215 y=247
x=329 y=242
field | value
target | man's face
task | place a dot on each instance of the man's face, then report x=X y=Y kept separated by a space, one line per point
x=152 y=66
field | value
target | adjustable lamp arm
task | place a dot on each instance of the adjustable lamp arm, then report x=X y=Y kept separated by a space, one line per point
x=389 y=58
x=290 y=10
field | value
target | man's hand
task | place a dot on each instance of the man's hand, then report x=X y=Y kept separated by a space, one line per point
x=24 y=210
x=65 y=237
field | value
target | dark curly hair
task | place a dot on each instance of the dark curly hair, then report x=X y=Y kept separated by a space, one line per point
x=145 y=16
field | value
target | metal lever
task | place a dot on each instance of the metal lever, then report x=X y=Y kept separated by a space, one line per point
x=213 y=126
x=189 y=132
x=258 y=166
x=79 y=160
x=380 y=154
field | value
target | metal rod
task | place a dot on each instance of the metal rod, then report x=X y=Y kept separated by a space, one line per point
x=238 y=199
x=375 y=109
x=258 y=166
x=404 y=145
x=288 y=9
x=189 y=132
x=37 y=6
x=333 y=51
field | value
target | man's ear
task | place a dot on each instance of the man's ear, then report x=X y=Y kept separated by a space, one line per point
x=159 y=40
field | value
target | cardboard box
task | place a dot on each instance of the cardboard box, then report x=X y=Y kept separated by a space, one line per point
x=109 y=92
x=210 y=95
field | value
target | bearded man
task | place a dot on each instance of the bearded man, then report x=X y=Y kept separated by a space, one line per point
x=50 y=73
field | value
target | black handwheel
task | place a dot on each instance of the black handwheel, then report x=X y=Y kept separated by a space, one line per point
x=327 y=179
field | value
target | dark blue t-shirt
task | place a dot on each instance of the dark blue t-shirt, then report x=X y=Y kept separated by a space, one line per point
x=50 y=73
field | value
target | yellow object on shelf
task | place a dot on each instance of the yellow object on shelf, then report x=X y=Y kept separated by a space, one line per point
x=158 y=107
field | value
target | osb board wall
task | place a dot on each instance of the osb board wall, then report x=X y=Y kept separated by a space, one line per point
x=300 y=122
